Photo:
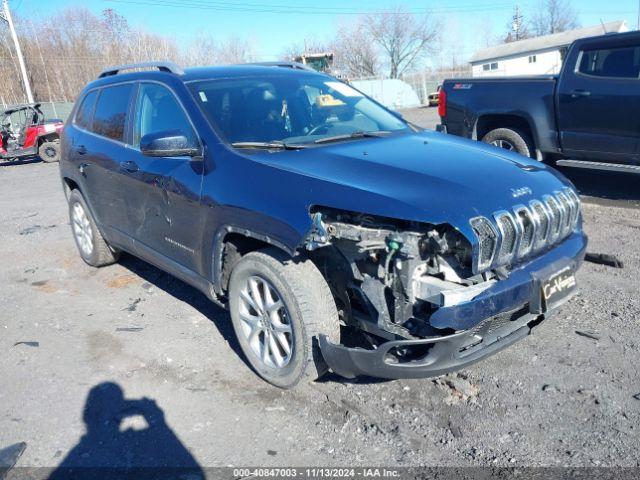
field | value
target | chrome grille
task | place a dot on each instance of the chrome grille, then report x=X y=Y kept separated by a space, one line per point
x=525 y=229
x=540 y=216
x=567 y=211
x=487 y=242
x=509 y=236
x=556 y=217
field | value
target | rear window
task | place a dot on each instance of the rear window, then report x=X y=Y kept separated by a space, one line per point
x=83 y=116
x=614 y=62
x=111 y=111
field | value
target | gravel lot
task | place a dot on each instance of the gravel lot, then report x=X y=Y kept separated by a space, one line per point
x=557 y=398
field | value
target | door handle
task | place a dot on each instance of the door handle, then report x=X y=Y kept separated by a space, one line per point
x=129 y=166
x=579 y=93
x=81 y=149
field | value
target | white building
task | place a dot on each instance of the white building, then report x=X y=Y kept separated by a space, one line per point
x=535 y=56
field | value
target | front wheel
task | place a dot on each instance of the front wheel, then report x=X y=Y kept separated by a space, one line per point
x=49 y=152
x=278 y=308
x=510 y=139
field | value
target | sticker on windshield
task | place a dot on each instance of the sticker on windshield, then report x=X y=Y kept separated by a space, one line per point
x=328 y=101
x=203 y=97
x=343 y=89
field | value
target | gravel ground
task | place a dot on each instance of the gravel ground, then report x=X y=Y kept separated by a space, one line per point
x=556 y=398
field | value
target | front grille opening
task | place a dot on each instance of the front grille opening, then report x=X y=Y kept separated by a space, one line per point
x=543 y=223
x=568 y=210
x=509 y=236
x=487 y=241
x=556 y=216
x=491 y=325
x=528 y=229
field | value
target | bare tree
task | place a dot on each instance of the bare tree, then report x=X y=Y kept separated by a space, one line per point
x=355 y=53
x=235 y=50
x=553 y=16
x=405 y=39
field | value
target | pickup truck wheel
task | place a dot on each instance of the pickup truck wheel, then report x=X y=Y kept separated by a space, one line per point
x=93 y=249
x=49 y=151
x=278 y=308
x=510 y=139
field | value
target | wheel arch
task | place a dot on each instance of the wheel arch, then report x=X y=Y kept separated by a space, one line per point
x=488 y=122
x=49 y=137
x=230 y=244
x=69 y=184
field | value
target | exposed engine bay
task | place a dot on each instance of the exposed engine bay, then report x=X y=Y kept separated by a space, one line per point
x=388 y=276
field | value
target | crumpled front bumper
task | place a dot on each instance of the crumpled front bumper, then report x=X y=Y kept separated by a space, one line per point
x=492 y=321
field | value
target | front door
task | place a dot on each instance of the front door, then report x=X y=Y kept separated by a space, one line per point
x=165 y=210
x=599 y=101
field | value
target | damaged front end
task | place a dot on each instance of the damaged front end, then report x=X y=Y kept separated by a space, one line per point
x=409 y=299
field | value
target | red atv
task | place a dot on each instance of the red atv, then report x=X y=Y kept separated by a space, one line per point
x=26 y=134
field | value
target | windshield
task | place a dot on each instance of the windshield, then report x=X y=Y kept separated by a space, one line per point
x=295 y=109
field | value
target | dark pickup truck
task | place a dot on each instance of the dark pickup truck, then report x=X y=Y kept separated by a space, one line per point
x=587 y=116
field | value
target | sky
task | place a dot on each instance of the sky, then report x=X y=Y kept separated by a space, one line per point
x=273 y=25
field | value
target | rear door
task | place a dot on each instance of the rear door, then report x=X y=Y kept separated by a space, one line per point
x=98 y=149
x=599 y=100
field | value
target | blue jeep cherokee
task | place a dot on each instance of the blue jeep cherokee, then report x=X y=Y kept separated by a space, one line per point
x=338 y=235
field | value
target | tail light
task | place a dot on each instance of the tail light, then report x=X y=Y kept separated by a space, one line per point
x=442 y=103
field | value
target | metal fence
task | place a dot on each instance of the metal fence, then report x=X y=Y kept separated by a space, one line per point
x=59 y=110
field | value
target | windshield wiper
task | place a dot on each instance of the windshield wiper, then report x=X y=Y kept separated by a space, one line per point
x=356 y=134
x=275 y=145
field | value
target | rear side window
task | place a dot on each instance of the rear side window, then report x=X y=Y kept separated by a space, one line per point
x=621 y=62
x=111 y=111
x=83 y=116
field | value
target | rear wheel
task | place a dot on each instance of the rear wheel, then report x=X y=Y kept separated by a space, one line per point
x=278 y=309
x=93 y=248
x=510 y=139
x=49 y=151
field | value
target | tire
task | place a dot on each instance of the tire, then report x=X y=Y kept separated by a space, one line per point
x=308 y=310
x=49 y=152
x=517 y=140
x=92 y=247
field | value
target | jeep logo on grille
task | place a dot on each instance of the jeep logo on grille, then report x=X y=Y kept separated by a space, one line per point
x=520 y=192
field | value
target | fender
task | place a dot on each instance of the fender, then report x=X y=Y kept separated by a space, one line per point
x=218 y=249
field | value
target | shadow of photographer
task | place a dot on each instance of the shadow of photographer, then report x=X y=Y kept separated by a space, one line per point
x=126 y=438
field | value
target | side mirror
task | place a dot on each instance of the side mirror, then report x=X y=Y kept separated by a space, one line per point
x=169 y=143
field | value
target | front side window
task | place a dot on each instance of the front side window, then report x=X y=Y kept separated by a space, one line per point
x=85 y=112
x=615 y=62
x=290 y=108
x=158 y=110
x=111 y=111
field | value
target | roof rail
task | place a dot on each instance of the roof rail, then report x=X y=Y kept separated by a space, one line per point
x=169 y=67
x=294 y=65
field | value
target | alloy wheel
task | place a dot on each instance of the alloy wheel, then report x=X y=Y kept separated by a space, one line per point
x=82 y=229
x=265 y=322
x=503 y=144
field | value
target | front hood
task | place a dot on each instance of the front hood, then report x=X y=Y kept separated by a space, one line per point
x=426 y=176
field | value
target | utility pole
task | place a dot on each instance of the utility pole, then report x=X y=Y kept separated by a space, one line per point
x=6 y=16
x=517 y=24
